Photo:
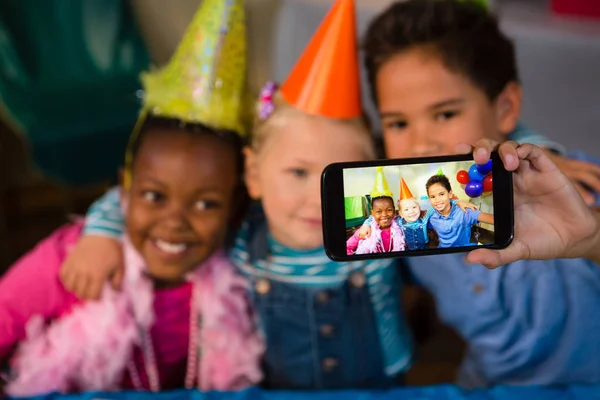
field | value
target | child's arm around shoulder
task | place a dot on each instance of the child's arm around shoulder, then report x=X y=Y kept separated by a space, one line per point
x=105 y=217
x=97 y=257
x=365 y=230
x=464 y=205
x=31 y=287
x=486 y=218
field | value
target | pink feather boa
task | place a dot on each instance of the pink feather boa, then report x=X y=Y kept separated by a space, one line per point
x=374 y=243
x=88 y=349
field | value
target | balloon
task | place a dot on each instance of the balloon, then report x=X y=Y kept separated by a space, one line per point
x=462 y=177
x=486 y=168
x=488 y=185
x=474 y=174
x=474 y=189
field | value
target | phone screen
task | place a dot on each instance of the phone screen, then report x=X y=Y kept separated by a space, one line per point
x=433 y=206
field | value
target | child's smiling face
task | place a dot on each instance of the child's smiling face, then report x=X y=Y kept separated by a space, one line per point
x=440 y=197
x=285 y=174
x=383 y=211
x=180 y=200
x=426 y=109
x=410 y=210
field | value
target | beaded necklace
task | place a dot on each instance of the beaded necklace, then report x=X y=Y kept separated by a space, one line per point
x=149 y=355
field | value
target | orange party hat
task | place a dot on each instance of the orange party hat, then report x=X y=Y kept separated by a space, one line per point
x=405 y=192
x=326 y=80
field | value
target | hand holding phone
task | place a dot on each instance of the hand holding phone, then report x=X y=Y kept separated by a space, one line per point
x=419 y=206
x=551 y=218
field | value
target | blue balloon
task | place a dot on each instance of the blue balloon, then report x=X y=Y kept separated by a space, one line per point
x=474 y=189
x=485 y=168
x=475 y=175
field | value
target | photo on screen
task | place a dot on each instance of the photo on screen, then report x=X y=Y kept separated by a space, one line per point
x=418 y=206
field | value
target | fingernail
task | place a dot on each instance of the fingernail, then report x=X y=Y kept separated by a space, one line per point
x=509 y=160
x=481 y=152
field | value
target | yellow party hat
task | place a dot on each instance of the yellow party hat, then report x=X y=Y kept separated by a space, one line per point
x=381 y=188
x=205 y=80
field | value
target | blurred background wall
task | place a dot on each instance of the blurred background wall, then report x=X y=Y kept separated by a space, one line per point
x=559 y=56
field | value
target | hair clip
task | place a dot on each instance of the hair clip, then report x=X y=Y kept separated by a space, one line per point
x=267 y=107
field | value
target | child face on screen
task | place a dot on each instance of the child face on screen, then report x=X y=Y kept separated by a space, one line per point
x=180 y=200
x=383 y=211
x=427 y=109
x=410 y=210
x=440 y=196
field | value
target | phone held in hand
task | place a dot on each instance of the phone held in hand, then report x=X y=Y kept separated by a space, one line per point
x=415 y=207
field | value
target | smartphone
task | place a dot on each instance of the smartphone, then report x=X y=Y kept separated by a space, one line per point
x=415 y=207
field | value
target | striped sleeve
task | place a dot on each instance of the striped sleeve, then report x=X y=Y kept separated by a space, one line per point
x=105 y=218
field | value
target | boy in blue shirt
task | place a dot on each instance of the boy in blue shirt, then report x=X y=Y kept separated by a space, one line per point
x=452 y=225
x=442 y=73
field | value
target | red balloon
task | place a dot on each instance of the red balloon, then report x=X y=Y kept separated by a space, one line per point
x=463 y=177
x=488 y=185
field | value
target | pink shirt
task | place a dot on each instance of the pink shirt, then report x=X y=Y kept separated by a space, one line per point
x=354 y=240
x=32 y=287
x=170 y=337
x=385 y=238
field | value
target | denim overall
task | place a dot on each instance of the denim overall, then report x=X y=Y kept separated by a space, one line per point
x=415 y=237
x=316 y=338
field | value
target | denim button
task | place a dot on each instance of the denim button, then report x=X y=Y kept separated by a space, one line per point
x=329 y=364
x=326 y=330
x=358 y=279
x=322 y=297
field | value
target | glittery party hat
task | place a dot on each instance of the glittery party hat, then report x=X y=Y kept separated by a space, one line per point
x=326 y=81
x=405 y=192
x=205 y=80
x=381 y=186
